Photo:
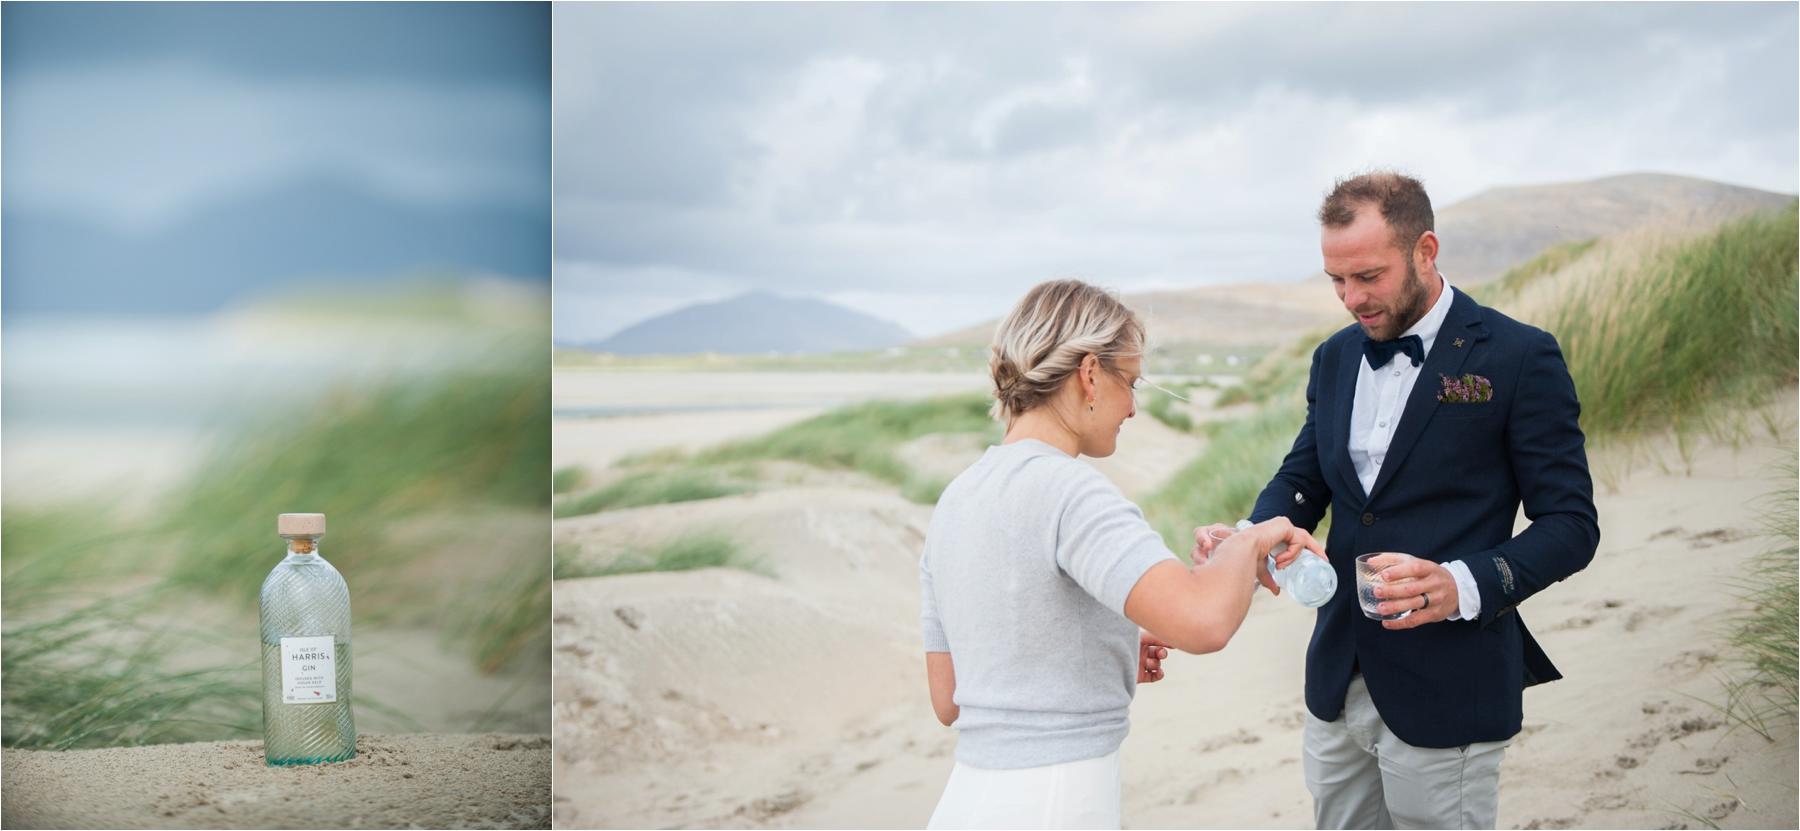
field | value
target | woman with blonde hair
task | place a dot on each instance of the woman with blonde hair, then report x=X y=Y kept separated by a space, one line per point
x=1038 y=573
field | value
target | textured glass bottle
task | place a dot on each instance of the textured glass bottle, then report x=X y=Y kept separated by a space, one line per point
x=1309 y=580
x=306 y=652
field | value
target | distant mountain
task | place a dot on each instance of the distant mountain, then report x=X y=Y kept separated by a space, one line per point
x=755 y=323
x=291 y=233
x=1482 y=236
x=1490 y=232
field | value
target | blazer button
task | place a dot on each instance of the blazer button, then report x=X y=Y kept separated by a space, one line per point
x=1368 y=519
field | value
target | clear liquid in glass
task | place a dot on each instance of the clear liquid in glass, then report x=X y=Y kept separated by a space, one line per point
x=306 y=734
x=1367 y=577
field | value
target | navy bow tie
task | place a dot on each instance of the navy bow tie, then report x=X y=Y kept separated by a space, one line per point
x=1379 y=352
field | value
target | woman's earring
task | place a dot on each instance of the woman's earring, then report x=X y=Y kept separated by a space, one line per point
x=1090 y=404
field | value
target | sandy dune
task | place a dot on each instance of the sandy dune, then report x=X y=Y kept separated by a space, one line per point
x=1257 y=315
x=421 y=781
x=729 y=698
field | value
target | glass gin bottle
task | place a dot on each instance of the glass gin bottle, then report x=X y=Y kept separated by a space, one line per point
x=306 y=652
x=1309 y=580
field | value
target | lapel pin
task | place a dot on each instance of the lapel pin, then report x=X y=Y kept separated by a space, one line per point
x=1458 y=343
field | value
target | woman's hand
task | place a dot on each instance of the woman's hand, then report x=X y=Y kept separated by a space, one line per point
x=1151 y=652
x=1291 y=539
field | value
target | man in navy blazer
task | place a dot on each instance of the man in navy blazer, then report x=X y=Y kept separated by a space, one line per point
x=1429 y=422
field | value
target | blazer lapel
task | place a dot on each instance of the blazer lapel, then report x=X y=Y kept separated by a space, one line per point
x=1446 y=359
x=1349 y=363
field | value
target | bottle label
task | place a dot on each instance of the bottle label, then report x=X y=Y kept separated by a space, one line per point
x=309 y=670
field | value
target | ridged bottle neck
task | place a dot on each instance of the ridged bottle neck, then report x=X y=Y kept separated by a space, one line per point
x=300 y=549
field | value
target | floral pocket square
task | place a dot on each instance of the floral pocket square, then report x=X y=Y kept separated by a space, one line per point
x=1469 y=389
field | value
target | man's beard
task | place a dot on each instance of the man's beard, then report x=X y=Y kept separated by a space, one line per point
x=1409 y=307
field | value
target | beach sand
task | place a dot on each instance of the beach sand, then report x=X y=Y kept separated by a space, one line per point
x=796 y=698
x=417 y=781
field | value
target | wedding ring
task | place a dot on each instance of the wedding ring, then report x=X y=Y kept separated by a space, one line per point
x=1427 y=599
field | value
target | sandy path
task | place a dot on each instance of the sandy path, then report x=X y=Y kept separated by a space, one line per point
x=732 y=699
x=421 y=781
x=613 y=392
x=1149 y=453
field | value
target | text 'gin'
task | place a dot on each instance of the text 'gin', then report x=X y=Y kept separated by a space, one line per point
x=306 y=652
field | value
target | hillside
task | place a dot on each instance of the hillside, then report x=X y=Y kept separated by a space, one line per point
x=755 y=323
x=1483 y=237
x=1497 y=229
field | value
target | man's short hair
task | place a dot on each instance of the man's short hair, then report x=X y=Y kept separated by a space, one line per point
x=1401 y=199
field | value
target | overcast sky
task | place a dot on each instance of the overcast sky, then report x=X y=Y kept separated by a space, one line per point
x=927 y=163
x=136 y=116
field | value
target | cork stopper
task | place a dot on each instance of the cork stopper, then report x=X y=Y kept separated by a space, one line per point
x=294 y=525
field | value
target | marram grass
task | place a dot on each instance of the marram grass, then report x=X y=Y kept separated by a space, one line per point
x=1763 y=690
x=652 y=487
x=685 y=553
x=1713 y=320
x=865 y=438
x=1164 y=408
x=566 y=479
x=90 y=677
x=367 y=460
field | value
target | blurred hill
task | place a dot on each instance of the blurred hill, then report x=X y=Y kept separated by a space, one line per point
x=754 y=323
x=1497 y=229
x=1483 y=236
x=290 y=233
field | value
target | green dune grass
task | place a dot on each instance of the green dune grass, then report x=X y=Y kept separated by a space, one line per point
x=91 y=677
x=652 y=487
x=1712 y=321
x=366 y=459
x=693 y=551
x=1166 y=409
x=865 y=438
x=1547 y=262
x=567 y=479
x=1763 y=689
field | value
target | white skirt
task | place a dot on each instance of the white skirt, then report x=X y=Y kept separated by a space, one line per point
x=1083 y=794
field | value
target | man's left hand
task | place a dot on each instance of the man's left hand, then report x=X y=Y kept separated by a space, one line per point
x=1421 y=585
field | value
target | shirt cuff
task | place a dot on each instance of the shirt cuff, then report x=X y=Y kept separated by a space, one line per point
x=1468 y=595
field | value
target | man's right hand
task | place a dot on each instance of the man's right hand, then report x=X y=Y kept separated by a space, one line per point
x=1204 y=544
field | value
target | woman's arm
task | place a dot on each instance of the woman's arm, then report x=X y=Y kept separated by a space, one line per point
x=1198 y=610
x=940 y=673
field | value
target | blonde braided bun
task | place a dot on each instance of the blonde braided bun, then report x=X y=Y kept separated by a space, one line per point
x=1042 y=341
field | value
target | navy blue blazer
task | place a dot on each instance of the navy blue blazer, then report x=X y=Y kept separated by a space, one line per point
x=1449 y=489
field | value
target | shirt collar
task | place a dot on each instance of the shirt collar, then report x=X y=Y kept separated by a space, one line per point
x=1428 y=326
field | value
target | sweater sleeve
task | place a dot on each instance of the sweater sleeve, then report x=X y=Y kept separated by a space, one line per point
x=929 y=625
x=1103 y=541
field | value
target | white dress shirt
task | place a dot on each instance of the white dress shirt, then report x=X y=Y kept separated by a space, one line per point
x=1380 y=399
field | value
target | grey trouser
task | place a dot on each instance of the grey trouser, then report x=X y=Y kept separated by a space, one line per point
x=1362 y=776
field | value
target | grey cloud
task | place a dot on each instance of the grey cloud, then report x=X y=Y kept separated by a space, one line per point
x=417 y=43
x=1487 y=57
x=1001 y=144
x=144 y=146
